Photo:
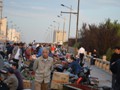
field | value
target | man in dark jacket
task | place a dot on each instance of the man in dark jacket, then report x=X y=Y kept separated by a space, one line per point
x=117 y=83
x=114 y=58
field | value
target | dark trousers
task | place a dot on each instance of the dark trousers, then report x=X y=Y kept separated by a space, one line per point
x=92 y=61
x=81 y=58
x=16 y=60
x=113 y=81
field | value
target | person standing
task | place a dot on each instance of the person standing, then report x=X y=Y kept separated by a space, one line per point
x=117 y=83
x=115 y=56
x=94 y=56
x=53 y=48
x=81 y=53
x=29 y=52
x=17 y=53
x=39 y=51
x=43 y=67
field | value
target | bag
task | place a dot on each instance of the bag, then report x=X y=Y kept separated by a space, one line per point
x=114 y=67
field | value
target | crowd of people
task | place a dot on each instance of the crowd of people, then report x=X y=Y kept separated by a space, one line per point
x=43 y=58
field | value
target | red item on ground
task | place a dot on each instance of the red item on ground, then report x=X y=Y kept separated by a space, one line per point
x=79 y=80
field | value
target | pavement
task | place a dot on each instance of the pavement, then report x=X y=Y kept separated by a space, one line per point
x=104 y=77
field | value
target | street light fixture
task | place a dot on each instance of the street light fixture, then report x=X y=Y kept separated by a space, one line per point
x=66 y=6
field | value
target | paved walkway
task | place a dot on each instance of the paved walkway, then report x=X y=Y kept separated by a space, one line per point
x=104 y=77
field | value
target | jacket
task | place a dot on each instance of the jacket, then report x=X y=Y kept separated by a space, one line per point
x=12 y=82
x=39 y=52
x=76 y=68
x=43 y=69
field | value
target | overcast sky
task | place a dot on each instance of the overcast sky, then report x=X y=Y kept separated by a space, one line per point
x=35 y=16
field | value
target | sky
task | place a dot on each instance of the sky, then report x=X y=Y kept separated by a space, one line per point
x=33 y=17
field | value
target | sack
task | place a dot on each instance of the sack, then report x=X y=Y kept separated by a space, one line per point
x=114 y=67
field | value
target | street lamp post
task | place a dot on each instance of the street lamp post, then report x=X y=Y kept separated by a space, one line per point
x=58 y=24
x=52 y=32
x=69 y=21
x=77 y=23
x=50 y=28
x=63 y=28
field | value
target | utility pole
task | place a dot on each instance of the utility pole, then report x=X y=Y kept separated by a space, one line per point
x=77 y=23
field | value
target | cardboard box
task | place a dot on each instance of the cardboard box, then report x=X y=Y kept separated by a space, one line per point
x=56 y=86
x=27 y=84
x=58 y=80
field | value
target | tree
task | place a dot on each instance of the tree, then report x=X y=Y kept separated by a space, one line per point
x=100 y=37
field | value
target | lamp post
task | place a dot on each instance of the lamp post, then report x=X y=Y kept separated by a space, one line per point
x=77 y=23
x=63 y=27
x=52 y=32
x=50 y=28
x=58 y=24
x=69 y=22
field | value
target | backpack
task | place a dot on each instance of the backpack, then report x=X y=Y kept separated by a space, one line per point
x=114 y=67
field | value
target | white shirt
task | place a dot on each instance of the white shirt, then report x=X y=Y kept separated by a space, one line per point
x=17 y=54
